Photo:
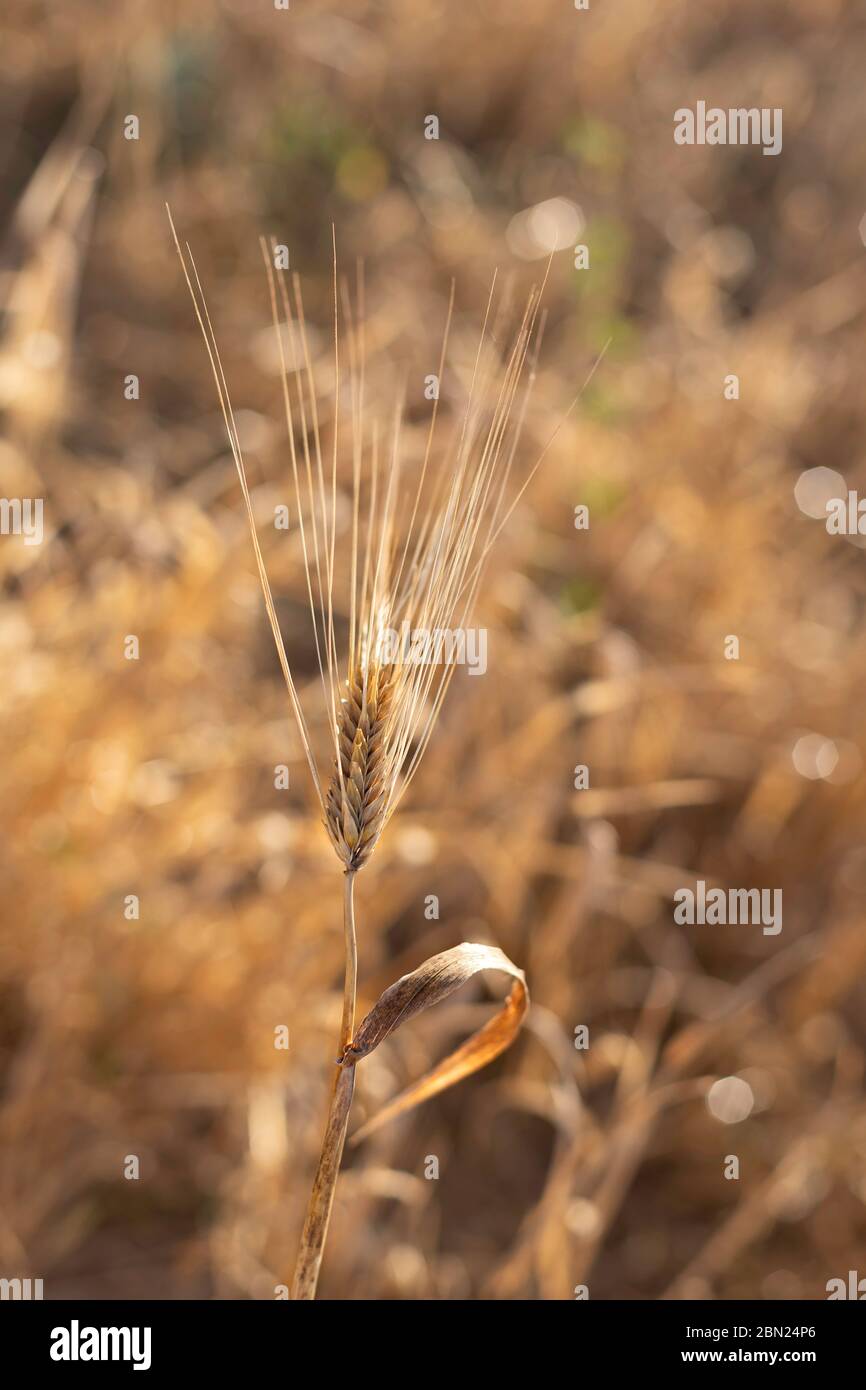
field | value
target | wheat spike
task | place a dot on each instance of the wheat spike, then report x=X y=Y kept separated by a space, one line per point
x=357 y=798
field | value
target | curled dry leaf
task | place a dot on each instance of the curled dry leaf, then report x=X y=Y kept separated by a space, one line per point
x=433 y=981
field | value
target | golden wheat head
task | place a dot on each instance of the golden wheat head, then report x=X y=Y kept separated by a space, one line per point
x=357 y=798
x=381 y=713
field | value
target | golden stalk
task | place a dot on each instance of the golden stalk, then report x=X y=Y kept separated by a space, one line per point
x=315 y=1231
x=382 y=723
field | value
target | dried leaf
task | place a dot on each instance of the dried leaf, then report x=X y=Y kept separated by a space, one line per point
x=433 y=981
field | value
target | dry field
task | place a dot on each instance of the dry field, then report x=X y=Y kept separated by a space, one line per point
x=154 y=1036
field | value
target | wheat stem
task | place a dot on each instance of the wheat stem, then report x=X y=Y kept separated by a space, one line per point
x=347 y=1027
x=315 y=1231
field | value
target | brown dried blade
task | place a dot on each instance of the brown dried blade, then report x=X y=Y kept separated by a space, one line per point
x=433 y=981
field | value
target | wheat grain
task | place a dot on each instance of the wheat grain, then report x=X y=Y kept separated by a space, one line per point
x=357 y=798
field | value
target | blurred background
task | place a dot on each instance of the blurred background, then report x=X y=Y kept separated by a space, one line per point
x=154 y=1036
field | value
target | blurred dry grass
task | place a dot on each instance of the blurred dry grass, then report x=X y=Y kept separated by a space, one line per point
x=155 y=1037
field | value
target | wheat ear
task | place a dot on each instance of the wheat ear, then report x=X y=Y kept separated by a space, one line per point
x=357 y=797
